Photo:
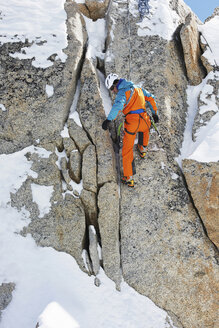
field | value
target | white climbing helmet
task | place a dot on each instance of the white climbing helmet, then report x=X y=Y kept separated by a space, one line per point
x=110 y=79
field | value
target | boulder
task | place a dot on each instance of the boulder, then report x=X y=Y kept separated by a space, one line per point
x=89 y=169
x=108 y=219
x=75 y=166
x=203 y=182
x=190 y=42
x=94 y=9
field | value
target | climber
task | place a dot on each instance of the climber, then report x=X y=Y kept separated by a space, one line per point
x=131 y=100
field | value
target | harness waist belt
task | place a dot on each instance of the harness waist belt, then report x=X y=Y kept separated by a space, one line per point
x=137 y=111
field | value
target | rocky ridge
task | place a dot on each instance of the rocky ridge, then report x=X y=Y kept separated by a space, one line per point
x=165 y=252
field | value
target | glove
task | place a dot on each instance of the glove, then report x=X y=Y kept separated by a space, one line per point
x=155 y=118
x=105 y=125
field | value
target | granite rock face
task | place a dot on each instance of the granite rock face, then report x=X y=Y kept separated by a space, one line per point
x=31 y=115
x=203 y=183
x=151 y=235
x=165 y=253
x=108 y=219
x=189 y=36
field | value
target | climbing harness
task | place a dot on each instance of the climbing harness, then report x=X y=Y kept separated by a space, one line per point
x=143 y=8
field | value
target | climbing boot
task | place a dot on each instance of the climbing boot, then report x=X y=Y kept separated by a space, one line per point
x=141 y=151
x=128 y=181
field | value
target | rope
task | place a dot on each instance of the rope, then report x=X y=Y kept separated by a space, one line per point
x=129 y=37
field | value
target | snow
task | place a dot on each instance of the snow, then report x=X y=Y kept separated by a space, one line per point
x=206 y=147
x=107 y=103
x=41 y=22
x=2 y=107
x=54 y=316
x=210 y=32
x=73 y=110
x=96 y=37
x=41 y=196
x=64 y=132
x=49 y=90
x=161 y=20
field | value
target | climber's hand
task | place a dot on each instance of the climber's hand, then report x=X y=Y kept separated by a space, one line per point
x=105 y=125
x=155 y=118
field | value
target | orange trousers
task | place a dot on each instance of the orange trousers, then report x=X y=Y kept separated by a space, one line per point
x=134 y=123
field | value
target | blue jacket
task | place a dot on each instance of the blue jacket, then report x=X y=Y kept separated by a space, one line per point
x=131 y=97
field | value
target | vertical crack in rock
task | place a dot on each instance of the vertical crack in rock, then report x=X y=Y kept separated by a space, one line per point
x=91 y=112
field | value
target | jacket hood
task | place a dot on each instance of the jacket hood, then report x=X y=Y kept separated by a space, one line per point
x=124 y=84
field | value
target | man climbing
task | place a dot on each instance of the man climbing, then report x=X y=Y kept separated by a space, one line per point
x=131 y=100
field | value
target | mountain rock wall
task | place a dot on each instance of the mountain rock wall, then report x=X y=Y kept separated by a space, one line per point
x=152 y=235
x=31 y=115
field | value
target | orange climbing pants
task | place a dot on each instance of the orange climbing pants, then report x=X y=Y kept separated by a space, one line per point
x=134 y=123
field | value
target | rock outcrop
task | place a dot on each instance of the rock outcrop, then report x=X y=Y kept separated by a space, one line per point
x=31 y=115
x=189 y=35
x=94 y=9
x=203 y=183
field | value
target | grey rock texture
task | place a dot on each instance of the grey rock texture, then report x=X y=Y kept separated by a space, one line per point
x=89 y=169
x=203 y=183
x=90 y=206
x=69 y=146
x=75 y=166
x=63 y=228
x=108 y=219
x=31 y=115
x=6 y=290
x=78 y=135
